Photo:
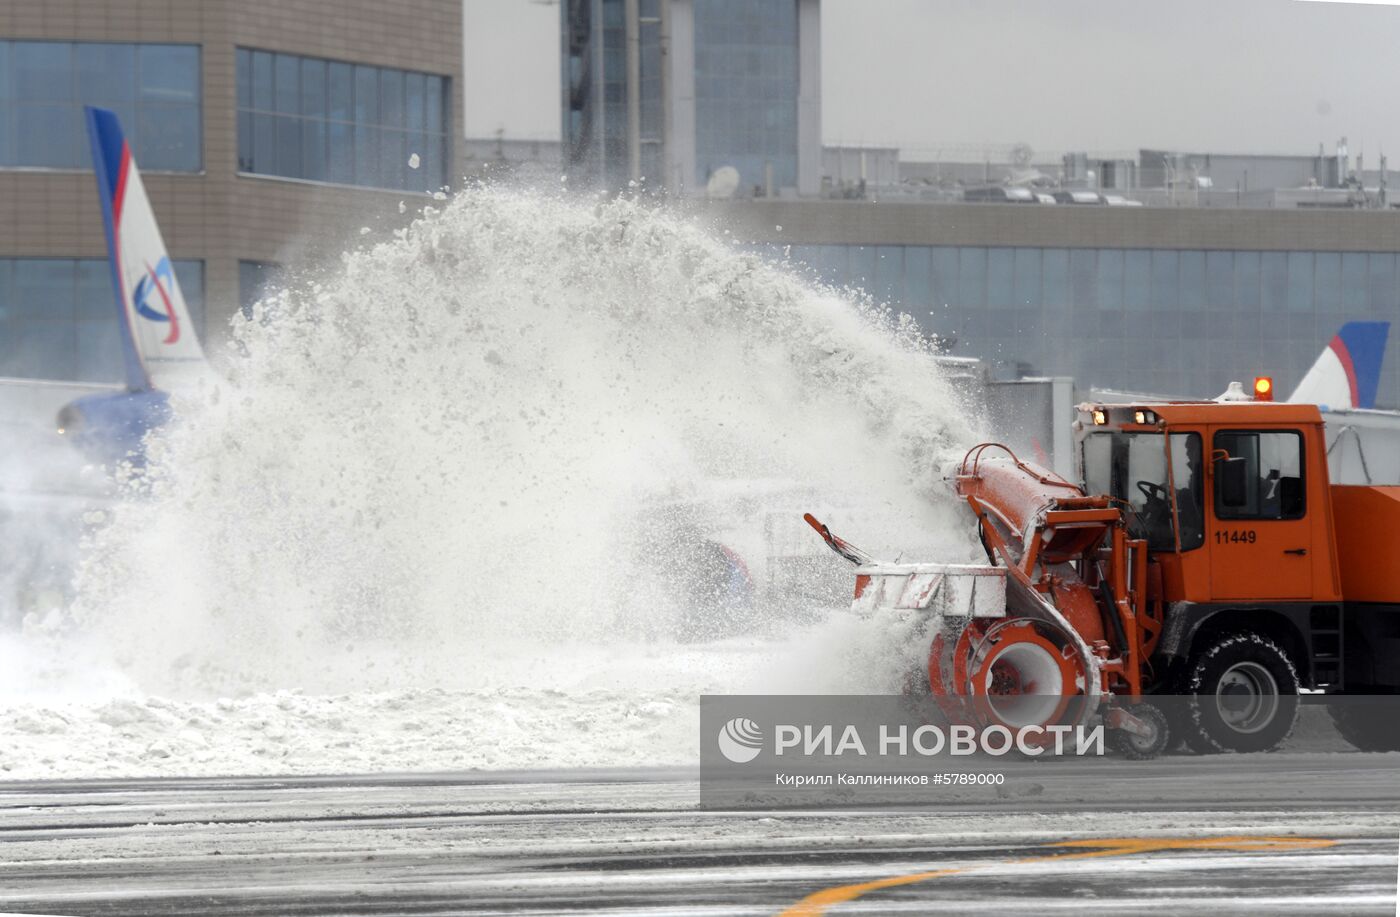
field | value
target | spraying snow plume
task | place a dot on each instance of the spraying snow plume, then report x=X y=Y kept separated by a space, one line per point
x=442 y=452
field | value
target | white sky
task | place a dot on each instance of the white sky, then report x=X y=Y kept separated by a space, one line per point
x=943 y=77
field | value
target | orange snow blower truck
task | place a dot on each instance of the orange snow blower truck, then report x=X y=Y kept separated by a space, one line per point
x=1203 y=553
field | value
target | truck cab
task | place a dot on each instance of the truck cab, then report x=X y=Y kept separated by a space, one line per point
x=1234 y=502
x=1232 y=498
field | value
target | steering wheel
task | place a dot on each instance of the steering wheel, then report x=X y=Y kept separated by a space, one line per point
x=1156 y=514
x=1153 y=491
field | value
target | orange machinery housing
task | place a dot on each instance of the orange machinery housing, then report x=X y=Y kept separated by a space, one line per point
x=1367 y=525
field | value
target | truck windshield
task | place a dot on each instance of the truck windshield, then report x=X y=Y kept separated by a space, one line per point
x=1133 y=468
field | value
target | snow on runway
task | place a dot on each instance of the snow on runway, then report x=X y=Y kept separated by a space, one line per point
x=634 y=842
x=528 y=706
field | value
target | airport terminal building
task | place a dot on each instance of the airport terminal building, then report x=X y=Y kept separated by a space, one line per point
x=267 y=133
x=1177 y=300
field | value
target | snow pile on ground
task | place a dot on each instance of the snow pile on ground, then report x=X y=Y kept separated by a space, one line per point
x=596 y=717
x=598 y=705
x=425 y=482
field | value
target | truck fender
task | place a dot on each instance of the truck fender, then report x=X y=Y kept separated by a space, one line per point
x=1286 y=621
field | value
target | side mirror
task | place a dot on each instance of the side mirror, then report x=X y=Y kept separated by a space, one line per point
x=1230 y=479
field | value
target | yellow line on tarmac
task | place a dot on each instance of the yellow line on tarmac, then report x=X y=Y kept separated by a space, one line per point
x=816 y=904
x=1106 y=847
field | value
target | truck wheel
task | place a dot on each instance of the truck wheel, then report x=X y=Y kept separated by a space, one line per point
x=1136 y=747
x=1244 y=695
x=1364 y=729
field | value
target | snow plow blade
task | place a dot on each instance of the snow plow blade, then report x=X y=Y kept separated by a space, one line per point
x=949 y=590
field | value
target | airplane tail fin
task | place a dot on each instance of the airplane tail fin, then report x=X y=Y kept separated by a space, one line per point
x=1348 y=371
x=161 y=347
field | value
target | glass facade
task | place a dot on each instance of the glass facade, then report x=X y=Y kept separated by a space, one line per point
x=614 y=34
x=651 y=106
x=1166 y=321
x=577 y=73
x=595 y=86
x=58 y=317
x=255 y=278
x=153 y=88
x=746 y=88
x=323 y=120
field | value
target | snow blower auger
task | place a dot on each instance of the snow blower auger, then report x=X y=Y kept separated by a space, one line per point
x=1054 y=631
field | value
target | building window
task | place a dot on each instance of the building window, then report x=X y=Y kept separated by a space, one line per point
x=1136 y=279
x=1084 y=264
x=972 y=277
x=917 y=262
x=323 y=120
x=1247 y=271
x=1220 y=280
x=1166 y=290
x=943 y=278
x=154 y=89
x=255 y=280
x=860 y=266
x=1300 y=281
x=1327 y=281
x=1028 y=277
x=1382 y=282
x=1055 y=277
x=1192 y=291
x=1354 y=282
x=59 y=319
x=746 y=89
x=888 y=283
x=1273 y=277
x=1001 y=287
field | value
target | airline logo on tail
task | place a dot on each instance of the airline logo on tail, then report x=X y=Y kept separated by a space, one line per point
x=1348 y=372
x=156 y=327
x=159 y=279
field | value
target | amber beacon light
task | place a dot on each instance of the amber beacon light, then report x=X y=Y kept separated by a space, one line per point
x=1263 y=388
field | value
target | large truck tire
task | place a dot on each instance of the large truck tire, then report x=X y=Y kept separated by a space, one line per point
x=1243 y=695
x=1364 y=729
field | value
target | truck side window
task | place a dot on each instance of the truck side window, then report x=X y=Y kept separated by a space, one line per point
x=1190 y=488
x=1274 y=474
